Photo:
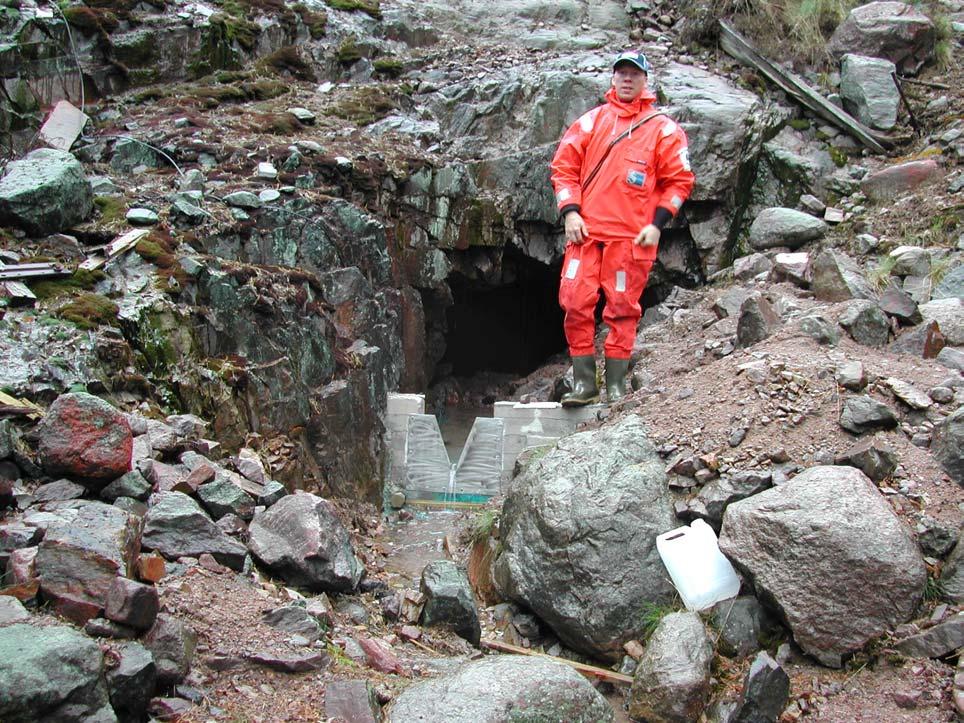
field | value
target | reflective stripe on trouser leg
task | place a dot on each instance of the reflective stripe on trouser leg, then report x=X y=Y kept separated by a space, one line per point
x=578 y=294
x=623 y=281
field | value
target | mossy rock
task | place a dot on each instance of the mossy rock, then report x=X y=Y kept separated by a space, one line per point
x=388 y=67
x=365 y=105
x=136 y=49
x=88 y=311
x=80 y=280
x=371 y=7
x=112 y=210
x=349 y=52
x=316 y=22
x=90 y=20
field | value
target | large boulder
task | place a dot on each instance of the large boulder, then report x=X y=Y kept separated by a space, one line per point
x=579 y=534
x=77 y=563
x=51 y=673
x=176 y=526
x=44 y=193
x=672 y=680
x=893 y=30
x=830 y=555
x=949 y=314
x=868 y=90
x=301 y=539
x=948 y=446
x=785 y=227
x=449 y=600
x=836 y=277
x=85 y=438
x=498 y=689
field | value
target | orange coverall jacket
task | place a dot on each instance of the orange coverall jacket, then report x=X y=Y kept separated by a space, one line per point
x=646 y=170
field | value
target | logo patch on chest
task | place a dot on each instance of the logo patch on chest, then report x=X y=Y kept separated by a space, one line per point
x=636 y=178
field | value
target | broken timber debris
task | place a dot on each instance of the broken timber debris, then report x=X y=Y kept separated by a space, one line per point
x=741 y=49
x=11 y=405
x=118 y=246
x=47 y=270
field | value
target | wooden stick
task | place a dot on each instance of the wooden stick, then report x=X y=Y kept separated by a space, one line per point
x=910 y=111
x=590 y=670
x=423 y=646
x=928 y=83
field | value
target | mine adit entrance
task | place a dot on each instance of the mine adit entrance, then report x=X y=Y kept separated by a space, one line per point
x=511 y=324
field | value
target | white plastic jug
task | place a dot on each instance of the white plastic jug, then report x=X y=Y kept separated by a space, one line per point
x=700 y=572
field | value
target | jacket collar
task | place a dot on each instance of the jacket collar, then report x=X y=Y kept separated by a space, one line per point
x=643 y=102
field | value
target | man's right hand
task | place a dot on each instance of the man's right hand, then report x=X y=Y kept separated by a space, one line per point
x=576 y=231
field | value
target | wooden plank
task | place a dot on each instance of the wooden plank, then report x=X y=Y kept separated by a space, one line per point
x=127 y=241
x=92 y=263
x=741 y=49
x=609 y=676
x=35 y=411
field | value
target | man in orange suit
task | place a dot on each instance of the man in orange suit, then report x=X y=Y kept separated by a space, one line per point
x=621 y=172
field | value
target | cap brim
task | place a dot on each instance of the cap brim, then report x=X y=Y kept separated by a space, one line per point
x=627 y=61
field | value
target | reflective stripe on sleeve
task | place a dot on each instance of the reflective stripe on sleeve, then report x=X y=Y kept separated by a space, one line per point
x=572 y=268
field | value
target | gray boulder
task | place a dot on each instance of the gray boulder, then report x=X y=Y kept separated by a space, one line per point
x=952 y=285
x=744 y=626
x=864 y=413
x=766 y=691
x=672 y=679
x=836 y=277
x=172 y=643
x=45 y=193
x=949 y=315
x=785 y=227
x=51 y=673
x=223 y=496
x=503 y=688
x=301 y=539
x=131 y=682
x=868 y=90
x=176 y=526
x=874 y=457
x=831 y=555
x=866 y=323
x=757 y=320
x=948 y=445
x=937 y=641
x=892 y=30
x=579 y=534
x=952 y=575
x=449 y=600
x=78 y=562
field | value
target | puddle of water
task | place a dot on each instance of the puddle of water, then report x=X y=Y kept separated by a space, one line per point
x=411 y=545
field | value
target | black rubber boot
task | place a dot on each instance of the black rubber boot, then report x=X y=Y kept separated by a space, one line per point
x=584 y=388
x=616 y=370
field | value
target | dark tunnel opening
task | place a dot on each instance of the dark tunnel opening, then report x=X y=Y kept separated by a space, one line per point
x=512 y=327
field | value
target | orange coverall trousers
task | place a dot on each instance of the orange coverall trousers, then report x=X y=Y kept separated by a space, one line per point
x=620 y=269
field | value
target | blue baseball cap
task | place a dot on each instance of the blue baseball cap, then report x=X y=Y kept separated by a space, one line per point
x=634 y=57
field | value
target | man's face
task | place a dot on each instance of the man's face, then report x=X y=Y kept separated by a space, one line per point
x=629 y=81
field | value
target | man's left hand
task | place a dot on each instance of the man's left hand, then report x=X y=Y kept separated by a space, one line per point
x=649 y=236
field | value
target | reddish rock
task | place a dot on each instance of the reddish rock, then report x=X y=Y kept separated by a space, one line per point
x=20 y=567
x=132 y=603
x=290 y=662
x=150 y=568
x=884 y=185
x=84 y=438
x=380 y=655
x=25 y=592
x=77 y=563
x=207 y=561
x=410 y=632
x=165 y=477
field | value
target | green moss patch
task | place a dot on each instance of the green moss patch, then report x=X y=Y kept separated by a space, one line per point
x=279 y=124
x=80 y=280
x=112 y=209
x=371 y=7
x=388 y=67
x=365 y=105
x=88 y=311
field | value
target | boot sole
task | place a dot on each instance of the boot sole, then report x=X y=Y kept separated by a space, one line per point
x=579 y=402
